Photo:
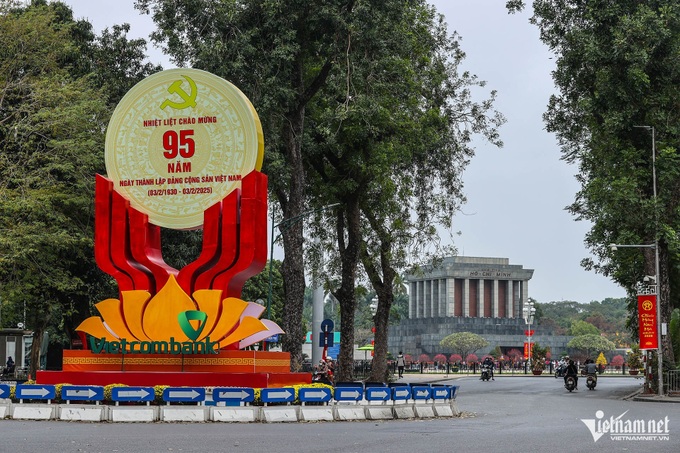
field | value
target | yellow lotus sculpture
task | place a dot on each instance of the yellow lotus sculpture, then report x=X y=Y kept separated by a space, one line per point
x=172 y=314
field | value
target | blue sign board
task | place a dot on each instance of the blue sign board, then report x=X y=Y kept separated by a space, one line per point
x=421 y=392
x=132 y=394
x=378 y=393
x=4 y=391
x=401 y=392
x=442 y=392
x=82 y=393
x=35 y=392
x=241 y=394
x=314 y=394
x=349 y=393
x=326 y=340
x=278 y=395
x=272 y=339
x=184 y=394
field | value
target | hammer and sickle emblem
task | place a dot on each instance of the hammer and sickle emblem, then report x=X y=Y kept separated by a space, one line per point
x=176 y=88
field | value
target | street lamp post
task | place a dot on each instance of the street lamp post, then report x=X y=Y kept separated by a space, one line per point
x=657 y=290
x=656 y=259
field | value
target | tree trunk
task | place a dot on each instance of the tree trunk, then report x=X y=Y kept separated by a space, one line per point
x=346 y=295
x=384 y=288
x=292 y=200
x=35 y=352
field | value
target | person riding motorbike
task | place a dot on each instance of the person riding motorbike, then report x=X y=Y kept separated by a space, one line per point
x=572 y=371
x=488 y=362
x=590 y=370
x=590 y=367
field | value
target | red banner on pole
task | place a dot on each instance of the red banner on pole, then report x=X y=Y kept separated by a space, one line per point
x=527 y=350
x=647 y=321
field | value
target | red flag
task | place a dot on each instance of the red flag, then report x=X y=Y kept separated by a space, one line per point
x=647 y=321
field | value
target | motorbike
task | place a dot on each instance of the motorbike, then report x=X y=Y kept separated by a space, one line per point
x=560 y=371
x=486 y=373
x=591 y=381
x=322 y=377
x=570 y=383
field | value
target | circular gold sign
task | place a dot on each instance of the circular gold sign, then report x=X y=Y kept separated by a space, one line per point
x=178 y=142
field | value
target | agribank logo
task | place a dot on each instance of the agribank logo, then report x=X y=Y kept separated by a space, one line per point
x=620 y=429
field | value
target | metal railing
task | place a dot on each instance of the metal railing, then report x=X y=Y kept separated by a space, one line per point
x=672 y=379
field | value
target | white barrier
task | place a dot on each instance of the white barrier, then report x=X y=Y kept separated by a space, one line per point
x=184 y=413
x=277 y=414
x=235 y=414
x=133 y=413
x=83 y=413
x=33 y=411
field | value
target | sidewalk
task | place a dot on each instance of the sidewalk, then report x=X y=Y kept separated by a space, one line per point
x=653 y=398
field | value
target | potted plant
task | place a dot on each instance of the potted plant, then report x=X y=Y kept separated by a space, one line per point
x=634 y=360
x=538 y=356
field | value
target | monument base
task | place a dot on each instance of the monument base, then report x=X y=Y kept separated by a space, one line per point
x=256 y=369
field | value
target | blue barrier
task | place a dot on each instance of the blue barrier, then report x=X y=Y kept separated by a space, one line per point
x=234 y=394
x=401 y=392
x=383 y=393
x=35 y=392
x=278 y=395
x=314 y=394
x=421 y=392
x=82 y=393
x=141 y=394
x=184 y=394
x=348 y=393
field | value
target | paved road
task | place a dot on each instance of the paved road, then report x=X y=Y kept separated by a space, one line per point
x=510 y=414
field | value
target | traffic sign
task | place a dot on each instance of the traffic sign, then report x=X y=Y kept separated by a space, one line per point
x=401 y=392
x=132 y=394
x=349 y=393
x=421 y=392
x=35 y=391
x=378 y=393
x=278 y=395
x=327 y=325
x=183 y=394
x=314 y=394
x=242 y=394
x=442 y=392
x=272 y=339
x=82 y=393
x=4 y=391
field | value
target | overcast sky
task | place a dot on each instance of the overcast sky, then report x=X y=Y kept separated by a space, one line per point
x=517 y=194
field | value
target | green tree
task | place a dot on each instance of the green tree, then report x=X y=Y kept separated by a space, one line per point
x=52 y=121
x=389 y=148
x=614 y=65
x=50 y=143
x=591 y=344
x=464 y=343
x=583 y=328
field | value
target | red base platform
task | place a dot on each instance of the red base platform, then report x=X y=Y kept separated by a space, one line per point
x=256 y=369
x=173 y=379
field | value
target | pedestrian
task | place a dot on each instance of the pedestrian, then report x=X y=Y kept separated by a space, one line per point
x=400 y=364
